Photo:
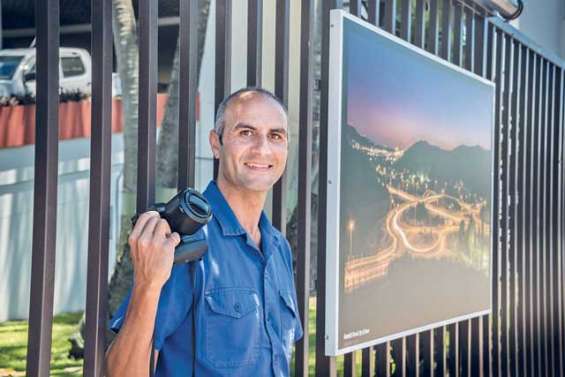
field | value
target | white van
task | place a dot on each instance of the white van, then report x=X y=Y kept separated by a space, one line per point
x=17 y=71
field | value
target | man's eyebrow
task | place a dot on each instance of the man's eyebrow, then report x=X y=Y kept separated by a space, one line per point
x=240 y=126
x=243 y=126
x=279 y=130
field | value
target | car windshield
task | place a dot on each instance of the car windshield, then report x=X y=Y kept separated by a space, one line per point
x=8 y=65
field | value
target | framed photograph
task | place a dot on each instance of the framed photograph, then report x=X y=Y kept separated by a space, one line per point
x=409 y=189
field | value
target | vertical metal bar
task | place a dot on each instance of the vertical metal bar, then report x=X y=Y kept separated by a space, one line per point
x=479 y=342
x=480 y=348
x=45 y=188
x=560 y=235
x=100 y=176
x=374 y=7
x=475 y=347
x=433 y=25
x=426 y=348
x=464 y=365
x=1 y=28
x=545 y=221
x=147 y=104
x=555 y=328
x=486 y=345
x=511 y=214
x=503 y=194
x=390 y=16
x=490 y=52
x=254 y=40
x=349 y=364
x=487 y=330
x=453 y=350
x=520 y=209
x=496 y=187
x=281 y=49
x=560 y=189
x=355 y=7
x=553 y=220
x=526 y=211
x=480 y=44
x=366 y=369
x=548 y=219
x=399 y=356
x=446 y=17
x=281 y=91
x=536 y=214
x=420 y=28
x=543 y=237
x=412 y=355
x=307 y=14
x=325 y=366
x=406 y=20
x=469 y=40
x=188 y=88
x=531 y=211
x=222 y=80
x=457 y=33
x=381 y=360
x=439 y=351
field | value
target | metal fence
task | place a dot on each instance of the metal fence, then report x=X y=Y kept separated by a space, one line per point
x=524 y=335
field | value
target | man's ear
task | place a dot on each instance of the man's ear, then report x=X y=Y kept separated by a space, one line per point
x=215 y=143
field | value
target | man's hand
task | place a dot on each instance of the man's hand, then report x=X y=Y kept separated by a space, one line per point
x=152 y=247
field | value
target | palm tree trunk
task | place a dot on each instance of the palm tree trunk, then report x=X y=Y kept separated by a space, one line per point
x=167 y=148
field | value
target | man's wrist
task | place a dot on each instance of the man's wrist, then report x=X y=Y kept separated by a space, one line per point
x=148 y=288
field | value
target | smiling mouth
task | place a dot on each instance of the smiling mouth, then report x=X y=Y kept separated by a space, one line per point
x=255 y=166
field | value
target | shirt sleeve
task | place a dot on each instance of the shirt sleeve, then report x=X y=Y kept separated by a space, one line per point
x=174 y=305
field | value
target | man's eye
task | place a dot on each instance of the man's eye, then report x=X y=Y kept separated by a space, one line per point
x=245 y=133
x=277 y=137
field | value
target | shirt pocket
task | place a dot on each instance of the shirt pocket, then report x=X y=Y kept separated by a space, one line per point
x=233 y=324
x=291 y=329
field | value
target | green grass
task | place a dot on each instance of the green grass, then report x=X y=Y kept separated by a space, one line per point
x=13 y=347
x=312 y=346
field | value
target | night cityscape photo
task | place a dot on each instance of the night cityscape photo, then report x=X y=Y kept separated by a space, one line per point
x=415 y=209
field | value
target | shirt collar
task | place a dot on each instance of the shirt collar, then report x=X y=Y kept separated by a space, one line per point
x=226 y=218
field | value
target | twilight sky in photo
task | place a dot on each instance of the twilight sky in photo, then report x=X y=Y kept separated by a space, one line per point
x=396 y=97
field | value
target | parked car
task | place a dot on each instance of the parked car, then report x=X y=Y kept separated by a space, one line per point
x=17 y=72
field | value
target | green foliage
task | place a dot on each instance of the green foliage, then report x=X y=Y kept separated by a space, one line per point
x=13 y=347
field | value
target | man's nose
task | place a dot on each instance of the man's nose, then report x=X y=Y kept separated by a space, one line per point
x=261 y=144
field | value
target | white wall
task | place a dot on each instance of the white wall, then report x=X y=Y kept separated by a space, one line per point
x=16 y=218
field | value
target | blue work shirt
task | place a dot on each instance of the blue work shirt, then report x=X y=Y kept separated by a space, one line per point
x=245 y=304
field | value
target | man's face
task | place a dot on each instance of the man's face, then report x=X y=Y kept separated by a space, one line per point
x=254 y=145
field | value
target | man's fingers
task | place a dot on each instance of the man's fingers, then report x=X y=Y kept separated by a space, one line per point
x=148 y=229
x=140 y=224
x=173 y=239
x=162 y=228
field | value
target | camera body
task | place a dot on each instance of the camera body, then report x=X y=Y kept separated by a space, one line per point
x=187 y=212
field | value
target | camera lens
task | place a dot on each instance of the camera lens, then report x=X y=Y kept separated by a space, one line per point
x=187 y=212
x=197 y=204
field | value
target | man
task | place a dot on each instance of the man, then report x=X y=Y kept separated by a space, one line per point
x=234 y=313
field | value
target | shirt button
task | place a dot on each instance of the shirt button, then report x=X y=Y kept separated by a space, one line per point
x=237 y=307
